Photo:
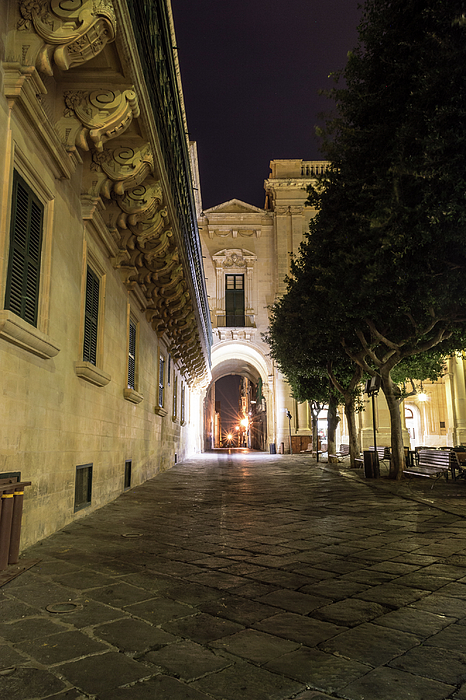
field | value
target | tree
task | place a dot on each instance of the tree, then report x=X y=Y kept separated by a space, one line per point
x=313 y=385
x=310 y=360
x=387 y=249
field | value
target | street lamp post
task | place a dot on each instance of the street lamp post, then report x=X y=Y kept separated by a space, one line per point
x=372 y=389
x=288 y=414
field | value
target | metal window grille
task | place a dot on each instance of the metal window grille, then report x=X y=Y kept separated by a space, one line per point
x=91 y=317
x=132 y=355
x=169 y=369
x=83 y=486
x=22 y=287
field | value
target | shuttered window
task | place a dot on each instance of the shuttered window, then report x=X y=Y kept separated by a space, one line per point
x=161 y=380
x=182 y=404
x=234 y=300
x=83 y=486
x=91 y=317
x=22 y=288
x=132 y=355
x=175 y=396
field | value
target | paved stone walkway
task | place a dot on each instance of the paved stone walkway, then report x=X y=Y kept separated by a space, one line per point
x=247 y=577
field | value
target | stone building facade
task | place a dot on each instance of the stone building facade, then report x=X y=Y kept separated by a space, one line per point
x=104 y=327
x=251 y=247
x=247 y=253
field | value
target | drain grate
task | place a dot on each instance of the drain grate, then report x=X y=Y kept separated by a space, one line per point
x=63 y=607
x=132 y=535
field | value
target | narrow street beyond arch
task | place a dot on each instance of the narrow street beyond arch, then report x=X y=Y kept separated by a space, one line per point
x=243 y=575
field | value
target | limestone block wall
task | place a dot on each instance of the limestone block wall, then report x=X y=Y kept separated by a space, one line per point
x=60 y=410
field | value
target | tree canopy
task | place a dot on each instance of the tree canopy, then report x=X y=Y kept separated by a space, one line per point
x=381 y=272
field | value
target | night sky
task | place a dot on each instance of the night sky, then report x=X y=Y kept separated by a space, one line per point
x=251 y=72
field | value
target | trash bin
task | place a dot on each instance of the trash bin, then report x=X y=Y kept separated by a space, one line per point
x=371 y=464
x=273 y=450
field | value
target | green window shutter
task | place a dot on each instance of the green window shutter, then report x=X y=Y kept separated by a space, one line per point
x=91 y=317
x=22 y=288
x=132 y=355
x=234 y=300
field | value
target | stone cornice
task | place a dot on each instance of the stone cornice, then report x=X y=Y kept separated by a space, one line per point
x=136 y=182
x=22 y=86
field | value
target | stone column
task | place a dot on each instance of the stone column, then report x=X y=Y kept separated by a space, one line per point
x=297 y=228
x=220 y=290
x=282 y=225
x=249 y=301
x=459 y=387
x=450 y=403
x=304 y=427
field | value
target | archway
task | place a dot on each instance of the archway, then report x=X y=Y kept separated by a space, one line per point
x=223 y=425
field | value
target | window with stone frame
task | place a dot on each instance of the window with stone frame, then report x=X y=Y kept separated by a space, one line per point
x=234 y=300
x=22 y=287
x=175 y=396
x=132 y=335
x=161 y=381
x=91 y=317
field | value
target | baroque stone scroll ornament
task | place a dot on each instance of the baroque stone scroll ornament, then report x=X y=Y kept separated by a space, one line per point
x=121 y=169
x=72 y=31
x=93 y=118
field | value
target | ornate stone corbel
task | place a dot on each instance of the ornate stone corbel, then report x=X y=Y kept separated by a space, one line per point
x=93 y=118
x=71 y=32
x=121 y=169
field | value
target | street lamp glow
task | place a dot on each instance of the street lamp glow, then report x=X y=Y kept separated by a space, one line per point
x=244 y=422
x=229 y=437
x=422 y=396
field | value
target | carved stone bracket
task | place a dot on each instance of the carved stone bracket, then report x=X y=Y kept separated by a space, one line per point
x=93 y=118
x=121 y=169
x=70 y=33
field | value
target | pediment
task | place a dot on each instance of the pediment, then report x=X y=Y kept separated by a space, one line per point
x=234 y=206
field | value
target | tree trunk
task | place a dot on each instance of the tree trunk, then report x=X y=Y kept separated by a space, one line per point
x=397 y=462
x=332 y=425
x=354 y=446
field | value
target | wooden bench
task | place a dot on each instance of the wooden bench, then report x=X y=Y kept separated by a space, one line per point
x=343 y=452
x=434 y=463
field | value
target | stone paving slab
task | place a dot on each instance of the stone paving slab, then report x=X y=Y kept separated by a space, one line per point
x=310 y=584
x=187 y=660
x=29 y=683
x=314 y=667
x=445 y=665
x=371 y=644
x=131 y=636
x=57 y=648
x=388 y=684
x=103 y=672
x=232 y=683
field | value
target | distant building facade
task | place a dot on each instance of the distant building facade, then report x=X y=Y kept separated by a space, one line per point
x=247 y=253
x=104 y=324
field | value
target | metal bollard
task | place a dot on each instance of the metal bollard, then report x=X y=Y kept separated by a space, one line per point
x=11 y=511
x=6 y=516
x=15 y=534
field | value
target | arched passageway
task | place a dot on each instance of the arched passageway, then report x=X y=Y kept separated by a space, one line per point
x=236 y=403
